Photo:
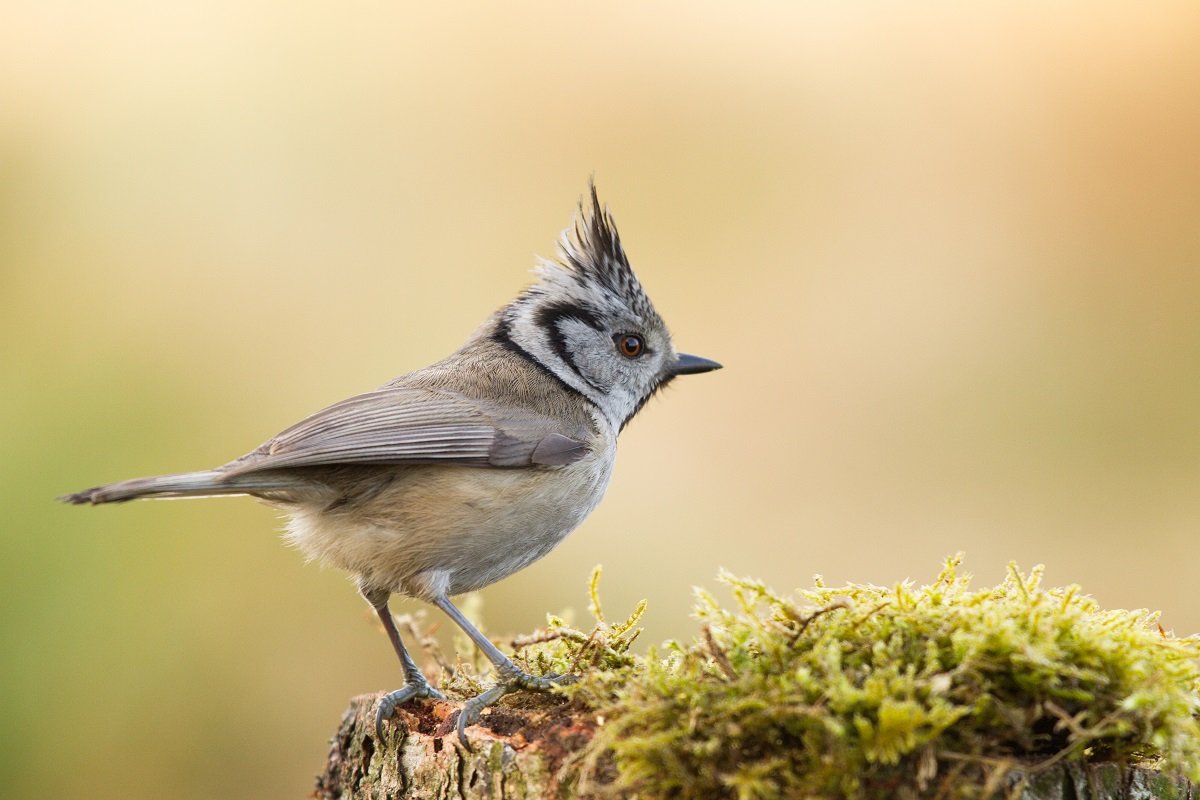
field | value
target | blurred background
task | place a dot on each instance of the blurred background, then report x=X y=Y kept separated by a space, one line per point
x=949 y=255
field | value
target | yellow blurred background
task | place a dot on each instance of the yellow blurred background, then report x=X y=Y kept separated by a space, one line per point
x=949 y=254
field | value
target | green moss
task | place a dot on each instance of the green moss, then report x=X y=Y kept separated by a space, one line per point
x=865 y=691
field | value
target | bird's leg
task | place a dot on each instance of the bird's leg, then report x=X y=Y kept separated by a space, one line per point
x=511 y=677
x=415 y=686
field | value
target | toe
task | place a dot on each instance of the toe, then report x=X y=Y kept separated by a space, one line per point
x=542 y=683
x=463 y=722
x=383 y=712
x=388 y=703
x=472 y=710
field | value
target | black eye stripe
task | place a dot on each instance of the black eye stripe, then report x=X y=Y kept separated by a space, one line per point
x=548 y=316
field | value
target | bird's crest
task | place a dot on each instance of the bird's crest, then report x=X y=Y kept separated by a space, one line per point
x=591 y=259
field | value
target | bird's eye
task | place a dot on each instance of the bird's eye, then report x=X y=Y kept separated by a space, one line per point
x=630 y=345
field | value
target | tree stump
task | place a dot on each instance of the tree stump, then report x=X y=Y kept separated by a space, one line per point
x=519 y=750
x=527 y=749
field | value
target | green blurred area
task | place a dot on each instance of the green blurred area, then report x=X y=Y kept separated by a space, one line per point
x=949 y=256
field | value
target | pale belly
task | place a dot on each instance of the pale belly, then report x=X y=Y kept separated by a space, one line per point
x=441 y=529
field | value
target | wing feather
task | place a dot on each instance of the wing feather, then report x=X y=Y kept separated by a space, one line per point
x=417 y=426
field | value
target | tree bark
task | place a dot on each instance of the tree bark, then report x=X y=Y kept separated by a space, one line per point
x=519 y=750
x=523 y=750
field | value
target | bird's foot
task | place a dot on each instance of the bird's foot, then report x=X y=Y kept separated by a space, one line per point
x=418 y=689
x=511 y=680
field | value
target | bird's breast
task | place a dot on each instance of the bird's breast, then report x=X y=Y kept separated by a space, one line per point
x=476 y=525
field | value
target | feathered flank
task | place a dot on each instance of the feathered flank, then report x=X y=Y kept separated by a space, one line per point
x=590 y=256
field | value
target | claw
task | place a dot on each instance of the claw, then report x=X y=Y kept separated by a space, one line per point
x=510 y=681
x=417 y=690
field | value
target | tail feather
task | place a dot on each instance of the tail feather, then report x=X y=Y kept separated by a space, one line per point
x=206 y=483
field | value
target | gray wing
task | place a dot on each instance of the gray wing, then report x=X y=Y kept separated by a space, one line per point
x=418 y=426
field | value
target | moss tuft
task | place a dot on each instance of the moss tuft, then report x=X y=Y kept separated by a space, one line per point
x=867 y=691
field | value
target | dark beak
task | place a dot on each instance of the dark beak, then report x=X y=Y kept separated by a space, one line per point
x=692 y=365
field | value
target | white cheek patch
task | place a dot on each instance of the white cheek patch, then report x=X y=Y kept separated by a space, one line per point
x=584 y=350
x=534 y=340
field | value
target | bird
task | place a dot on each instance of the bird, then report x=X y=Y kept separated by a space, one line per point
x=452 y=477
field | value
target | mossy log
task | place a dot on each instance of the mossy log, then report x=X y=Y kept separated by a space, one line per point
x=524 y=748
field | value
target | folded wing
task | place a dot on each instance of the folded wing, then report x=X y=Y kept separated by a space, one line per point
x=417 y=426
